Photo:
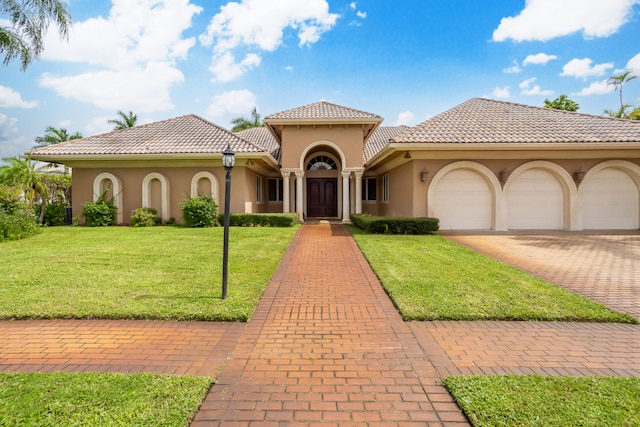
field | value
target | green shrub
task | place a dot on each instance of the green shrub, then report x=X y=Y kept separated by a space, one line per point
x=201 y=211
x=145 y=217
x=100 y=213
x=391 y=225
x=261 y=220
x=54 y=213
x=18 y=224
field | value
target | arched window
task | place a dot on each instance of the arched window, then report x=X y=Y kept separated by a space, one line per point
x=321 y=163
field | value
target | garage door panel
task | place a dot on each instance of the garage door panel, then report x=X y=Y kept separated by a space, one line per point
x=535 y=202
x=610 y=201
x=463 y=201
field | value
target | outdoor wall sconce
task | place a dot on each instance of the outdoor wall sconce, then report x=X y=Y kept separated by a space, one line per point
x=579 y=174
x=504 y=175
x=424 y=175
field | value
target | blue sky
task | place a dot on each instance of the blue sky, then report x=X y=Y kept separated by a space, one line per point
x=405 y=60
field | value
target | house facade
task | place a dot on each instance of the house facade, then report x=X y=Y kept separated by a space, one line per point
x=483 y=165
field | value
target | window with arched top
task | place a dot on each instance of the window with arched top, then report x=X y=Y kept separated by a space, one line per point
x=319 y=163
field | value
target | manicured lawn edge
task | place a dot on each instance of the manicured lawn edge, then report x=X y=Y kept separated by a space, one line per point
x=533 y=400
x=432 y=278
x=100 y=399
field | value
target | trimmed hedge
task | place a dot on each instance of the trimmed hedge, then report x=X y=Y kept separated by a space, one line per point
x=261 y=220
x=392 y=225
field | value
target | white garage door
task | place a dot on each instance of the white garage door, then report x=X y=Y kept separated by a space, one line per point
x=535 y=202
x=610 y=201
x=463 y=201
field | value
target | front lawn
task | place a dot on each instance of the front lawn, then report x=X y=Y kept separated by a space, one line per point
x=432 y=278
x=171 y=273
x=99 y=399
x=539 y=401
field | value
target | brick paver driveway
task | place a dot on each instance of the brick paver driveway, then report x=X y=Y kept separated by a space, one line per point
x=602 y=267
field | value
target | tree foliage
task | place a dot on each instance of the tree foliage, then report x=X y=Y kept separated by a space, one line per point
x=124 y=120
x=55 y=136
x=242 y=123
x=562 y=103
x=23 y=24
x=618 y=81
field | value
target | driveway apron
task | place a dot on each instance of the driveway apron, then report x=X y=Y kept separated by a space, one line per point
x=326 y=345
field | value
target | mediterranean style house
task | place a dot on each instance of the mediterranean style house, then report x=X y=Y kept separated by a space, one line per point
x=483 y=165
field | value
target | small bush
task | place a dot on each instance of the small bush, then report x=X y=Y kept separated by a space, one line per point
x=201 y=211
x=18 y=224
x=261 y=220
x=145 y=217
x=100 y=213
x=55 y=213
x=391 y=225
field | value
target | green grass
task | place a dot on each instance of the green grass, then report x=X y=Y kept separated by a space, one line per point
x=547 y=401
x=99 y=399
x=432 y=278
x=171 y=273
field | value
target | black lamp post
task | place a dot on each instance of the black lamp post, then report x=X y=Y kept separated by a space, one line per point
x=228 y=161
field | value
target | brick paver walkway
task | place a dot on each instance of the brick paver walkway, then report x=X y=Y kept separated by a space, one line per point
x=326 y=346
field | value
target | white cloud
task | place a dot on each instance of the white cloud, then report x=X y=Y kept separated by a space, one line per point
x=226 y=69
x=596 y=88
x=260 y=25
x=514 y=69
x=405 y=118
x=529 y=88
x=502 y=92
x=9 y=98
x=361 y=14
x=353 y=5
x=547 y=19
x=538 y=59
x=139 y=43
x=634 y=64
x=234 y=102
x=583 y=68
x=140 y=89
x=11 y=144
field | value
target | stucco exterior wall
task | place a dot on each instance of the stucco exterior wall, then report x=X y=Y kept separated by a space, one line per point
x=295 y=141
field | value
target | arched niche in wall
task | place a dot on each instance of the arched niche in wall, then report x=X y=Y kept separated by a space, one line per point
x=110 y=185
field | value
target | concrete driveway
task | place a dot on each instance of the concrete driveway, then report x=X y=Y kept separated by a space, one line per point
x=603 y=267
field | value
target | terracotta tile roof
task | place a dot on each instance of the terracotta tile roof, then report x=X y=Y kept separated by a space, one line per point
x=486 y=121
x=188 y=134
x=322 y=111
x=381 y=138
x=261 y=137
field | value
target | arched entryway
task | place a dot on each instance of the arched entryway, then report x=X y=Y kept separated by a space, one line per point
x=322 y=172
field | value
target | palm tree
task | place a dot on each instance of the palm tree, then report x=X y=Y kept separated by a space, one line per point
x=242 y=123
x=124 y=120
x=55 y=136
x=620 y=80
x=618 y=114
x=22 y=174
x=24 y=25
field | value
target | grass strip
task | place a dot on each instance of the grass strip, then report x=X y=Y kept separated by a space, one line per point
x=534 y=400
x=432 y=278
x=169 y=273
x=99 y=399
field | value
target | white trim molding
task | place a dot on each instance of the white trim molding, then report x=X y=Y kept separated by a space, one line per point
x=146 y=193
x=213 y=183
x=116 y=191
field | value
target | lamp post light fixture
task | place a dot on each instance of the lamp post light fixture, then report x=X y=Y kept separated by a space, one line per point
x=228 y=161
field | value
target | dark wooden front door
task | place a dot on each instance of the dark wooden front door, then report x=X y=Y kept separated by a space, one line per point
x=322 y=197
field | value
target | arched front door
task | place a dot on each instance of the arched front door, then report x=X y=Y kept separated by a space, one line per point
x=322 y=186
